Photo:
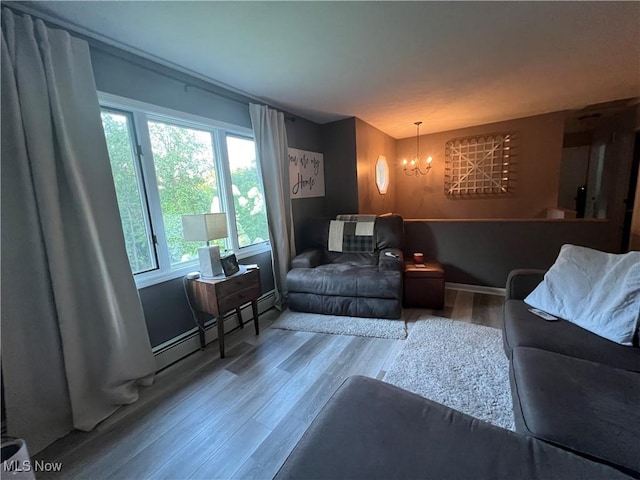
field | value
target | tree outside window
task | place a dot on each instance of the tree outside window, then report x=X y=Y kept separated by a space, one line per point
x=187 y=182
x=248 y=196
x=117 y=129
x=166 y=164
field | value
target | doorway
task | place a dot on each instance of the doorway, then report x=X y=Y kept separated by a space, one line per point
x=631 y=222
x=580 y=187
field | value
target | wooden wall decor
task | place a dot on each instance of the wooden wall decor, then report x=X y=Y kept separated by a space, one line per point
x=478 y=165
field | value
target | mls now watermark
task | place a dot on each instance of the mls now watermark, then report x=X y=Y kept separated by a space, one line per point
x=30 y=466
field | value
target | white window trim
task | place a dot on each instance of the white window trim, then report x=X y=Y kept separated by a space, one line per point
x=170 y=115
x=176 y=117
x=154 y=277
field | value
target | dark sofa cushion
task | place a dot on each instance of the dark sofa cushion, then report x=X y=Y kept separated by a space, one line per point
x=370 y=429
x=346 y=280
x=389 y=232
x=346 y=306
x=350 y=258
x=580 y=405
x=307 y=259
x=524 y=329
x=521 y=282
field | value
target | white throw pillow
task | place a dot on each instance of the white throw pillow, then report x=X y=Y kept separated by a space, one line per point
x=597 y=291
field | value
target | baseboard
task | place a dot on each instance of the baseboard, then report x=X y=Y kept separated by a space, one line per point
x=179 y=347
x=465 y=287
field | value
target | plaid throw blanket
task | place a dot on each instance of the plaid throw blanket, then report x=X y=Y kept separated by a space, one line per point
x=356 y=218
x=352 y=234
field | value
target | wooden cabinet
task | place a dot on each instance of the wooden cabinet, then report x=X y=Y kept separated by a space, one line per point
x=216 y=296
x=424 y=285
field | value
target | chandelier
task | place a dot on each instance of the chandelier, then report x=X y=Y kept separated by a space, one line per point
x=413 y=167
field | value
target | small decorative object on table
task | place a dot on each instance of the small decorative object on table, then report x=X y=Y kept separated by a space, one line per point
x=229 y=264
x=418 y=258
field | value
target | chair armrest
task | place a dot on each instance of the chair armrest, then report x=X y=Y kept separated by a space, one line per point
x=522 y=282
x=307 y=259
x=390 y=262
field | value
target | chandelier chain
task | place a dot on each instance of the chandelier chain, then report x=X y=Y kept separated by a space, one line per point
x=414 y=168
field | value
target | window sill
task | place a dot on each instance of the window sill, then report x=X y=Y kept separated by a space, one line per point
x=148 y=279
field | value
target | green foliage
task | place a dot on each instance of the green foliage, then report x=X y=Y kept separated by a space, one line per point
x=248 y=200
x=130 y=205
x=186 y=178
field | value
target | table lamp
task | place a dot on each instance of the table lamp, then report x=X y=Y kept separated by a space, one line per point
x=206 y=227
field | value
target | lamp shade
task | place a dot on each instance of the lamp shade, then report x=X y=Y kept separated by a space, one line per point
x=204 y=226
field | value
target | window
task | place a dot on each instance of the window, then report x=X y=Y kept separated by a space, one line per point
x=129 y=190
x=248 y=194
x=166 y=164
x=184 y=163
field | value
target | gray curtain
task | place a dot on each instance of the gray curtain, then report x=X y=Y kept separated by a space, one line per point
x=273 y=158
x=74 y=341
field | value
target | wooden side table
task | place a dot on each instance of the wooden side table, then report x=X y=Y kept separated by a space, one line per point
x=424 y=285
x=216 y=296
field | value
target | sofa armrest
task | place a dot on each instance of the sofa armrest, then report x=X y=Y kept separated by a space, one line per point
x=522 y=282
x=394 y=261
x=307 y=259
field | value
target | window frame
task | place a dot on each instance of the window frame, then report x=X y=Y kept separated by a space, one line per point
x=142 y=187
x=141 y=112
x=222 y=141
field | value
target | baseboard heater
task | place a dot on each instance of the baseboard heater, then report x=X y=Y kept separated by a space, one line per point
x=171 y=351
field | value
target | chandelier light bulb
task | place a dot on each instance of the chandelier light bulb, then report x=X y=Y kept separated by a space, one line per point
x=414 y=165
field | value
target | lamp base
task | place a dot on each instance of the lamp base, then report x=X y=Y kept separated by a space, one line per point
x=210 y=265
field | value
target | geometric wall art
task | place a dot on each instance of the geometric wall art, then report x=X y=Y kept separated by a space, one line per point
x=478 y=165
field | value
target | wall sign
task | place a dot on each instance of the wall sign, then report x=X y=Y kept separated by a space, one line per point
x=306 y=174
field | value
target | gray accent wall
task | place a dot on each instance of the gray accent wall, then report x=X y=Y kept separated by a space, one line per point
x=127 y=75
x=483 y=252
x=306 y=135
x=341 y=174
x=337 y=142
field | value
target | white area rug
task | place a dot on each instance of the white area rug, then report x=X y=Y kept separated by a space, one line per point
x=361 y=327
x=458 y=364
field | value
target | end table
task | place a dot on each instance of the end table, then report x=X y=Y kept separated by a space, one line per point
x=216 y=296
x=424 y=285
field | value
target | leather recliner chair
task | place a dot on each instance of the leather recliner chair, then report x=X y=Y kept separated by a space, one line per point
x=350 y=284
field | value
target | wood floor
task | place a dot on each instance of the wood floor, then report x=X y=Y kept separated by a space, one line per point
x=238 y=417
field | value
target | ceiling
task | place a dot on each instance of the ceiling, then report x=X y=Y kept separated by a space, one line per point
x=448 y=64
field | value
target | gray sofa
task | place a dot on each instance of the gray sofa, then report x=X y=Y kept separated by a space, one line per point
x=570 y=387
x=351 y=284
x=372 y=430
x=575 y=398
